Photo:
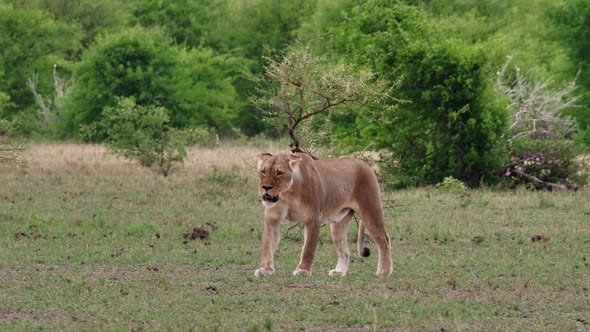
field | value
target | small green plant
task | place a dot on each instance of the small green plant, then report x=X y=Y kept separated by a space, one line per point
x=229 y=178
x=441 y=235
x=452 y=185
x=545 y=203
x=143 y=134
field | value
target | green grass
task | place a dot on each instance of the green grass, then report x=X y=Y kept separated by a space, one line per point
x=107 y=252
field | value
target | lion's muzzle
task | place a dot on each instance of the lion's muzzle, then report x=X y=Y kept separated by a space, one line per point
x=269 y=198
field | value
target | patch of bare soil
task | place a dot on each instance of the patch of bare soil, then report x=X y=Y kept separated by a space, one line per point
x=105 y=271
x=539 y=238
x=302 y=285
x=31 y=234
x=197 y=233
x=33 y=317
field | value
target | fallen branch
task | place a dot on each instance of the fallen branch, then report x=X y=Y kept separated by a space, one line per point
x=535 y=180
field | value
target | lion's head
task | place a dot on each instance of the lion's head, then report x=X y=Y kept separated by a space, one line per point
x=276 y=176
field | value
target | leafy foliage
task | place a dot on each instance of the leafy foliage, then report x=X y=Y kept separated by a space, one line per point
x=240 y=30
x=92 y=17
x=144 y=134
x=572 y=29
x=547 y=38
x=4 y=102
x=185 y=21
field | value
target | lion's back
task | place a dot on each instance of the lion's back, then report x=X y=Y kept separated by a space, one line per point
x=348 y=176
x=345 y=168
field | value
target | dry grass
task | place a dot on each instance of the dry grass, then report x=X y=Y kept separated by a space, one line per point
x=96 y=160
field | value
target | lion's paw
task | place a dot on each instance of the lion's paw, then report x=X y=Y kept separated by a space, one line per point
x=301 y=272
x=264 y=272
x=334 y=273
x=384 y=272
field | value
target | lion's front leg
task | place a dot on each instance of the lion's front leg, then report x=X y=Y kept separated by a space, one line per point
x=339 y=232
x=311 y=235
x=270 y=242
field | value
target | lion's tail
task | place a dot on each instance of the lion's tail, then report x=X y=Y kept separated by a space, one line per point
x=363 y=251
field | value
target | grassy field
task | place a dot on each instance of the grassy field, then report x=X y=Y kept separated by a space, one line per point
x=92 y=242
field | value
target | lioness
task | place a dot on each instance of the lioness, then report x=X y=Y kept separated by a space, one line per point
x=315 y=192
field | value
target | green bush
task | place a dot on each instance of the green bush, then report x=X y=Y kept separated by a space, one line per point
x=144 y=64
x=144 y=134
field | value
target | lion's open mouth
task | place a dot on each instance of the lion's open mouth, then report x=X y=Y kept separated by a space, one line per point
x=269 y=198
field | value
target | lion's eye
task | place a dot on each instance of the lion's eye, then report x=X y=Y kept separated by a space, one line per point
x=262 y=173
x=279 y=173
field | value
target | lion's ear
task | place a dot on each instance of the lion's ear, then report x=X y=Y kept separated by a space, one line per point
x=295 y=160
x=261 y=158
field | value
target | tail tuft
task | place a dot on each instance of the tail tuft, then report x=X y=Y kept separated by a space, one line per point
x=363 y=251
x=366 y=252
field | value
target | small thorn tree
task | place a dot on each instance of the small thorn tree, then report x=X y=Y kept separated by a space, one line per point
x=299 y=86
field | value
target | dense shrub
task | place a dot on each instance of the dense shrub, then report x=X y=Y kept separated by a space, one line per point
x=451 y=124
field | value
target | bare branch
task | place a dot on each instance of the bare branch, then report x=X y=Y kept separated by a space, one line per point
x=535 y=109
x=49 y=107
x=32 y=84
x=11 y=146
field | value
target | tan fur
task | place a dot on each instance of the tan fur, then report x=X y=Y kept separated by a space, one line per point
x=316 y=192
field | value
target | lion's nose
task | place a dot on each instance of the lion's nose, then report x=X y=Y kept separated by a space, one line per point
x=267 y=188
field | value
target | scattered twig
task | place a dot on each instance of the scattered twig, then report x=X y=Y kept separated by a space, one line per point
x=300 y=226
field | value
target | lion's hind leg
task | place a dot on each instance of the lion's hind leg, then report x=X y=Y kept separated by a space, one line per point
x=339 y=233
x=373 y=221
